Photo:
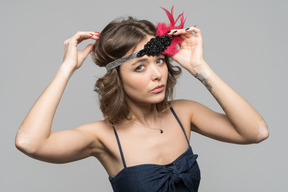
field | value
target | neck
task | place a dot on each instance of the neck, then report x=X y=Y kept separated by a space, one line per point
x=146 y=114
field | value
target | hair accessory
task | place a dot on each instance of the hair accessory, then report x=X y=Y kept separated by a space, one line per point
x=156 y=46
x=121 y=60
x=161 y=44
x=163 y=28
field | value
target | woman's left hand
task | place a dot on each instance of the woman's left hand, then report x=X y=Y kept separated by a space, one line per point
x=190 y=55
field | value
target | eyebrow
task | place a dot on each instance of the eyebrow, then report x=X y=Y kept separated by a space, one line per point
x=139 y=61
x=146 y=59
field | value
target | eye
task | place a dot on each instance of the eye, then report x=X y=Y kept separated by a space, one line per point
x=139 y=68
x=160 y=60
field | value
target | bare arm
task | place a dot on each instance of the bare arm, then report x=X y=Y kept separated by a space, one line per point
x=241 y=123
x=34 y=136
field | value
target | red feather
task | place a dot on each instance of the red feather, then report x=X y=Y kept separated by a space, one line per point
x=163 y=28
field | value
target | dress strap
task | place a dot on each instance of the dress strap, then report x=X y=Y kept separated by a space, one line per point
x=119 y=145
x=172 y=110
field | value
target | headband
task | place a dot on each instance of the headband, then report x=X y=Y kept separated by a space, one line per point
x=154 y=47
x=120 y=61
x=161 y=44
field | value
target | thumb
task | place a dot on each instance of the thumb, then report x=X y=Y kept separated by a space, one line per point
x=87 y=50
x=83 y=54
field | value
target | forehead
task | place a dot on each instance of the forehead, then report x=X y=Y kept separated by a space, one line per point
x=138 y=47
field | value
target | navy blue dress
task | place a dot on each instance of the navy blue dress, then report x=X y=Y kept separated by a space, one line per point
x=182 y=175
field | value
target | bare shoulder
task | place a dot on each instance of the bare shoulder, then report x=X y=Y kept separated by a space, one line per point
x=98 y=131
x=182 y=102
x=185 y=105
x=94 y=128
x=184 y=110
x=104 y=146
x=189 y=109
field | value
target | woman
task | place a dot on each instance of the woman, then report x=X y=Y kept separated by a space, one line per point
x=143 y=141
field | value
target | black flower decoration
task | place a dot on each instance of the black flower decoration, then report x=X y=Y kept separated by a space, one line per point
x=156 y=46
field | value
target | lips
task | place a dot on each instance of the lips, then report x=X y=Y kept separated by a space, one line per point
x=158 y=88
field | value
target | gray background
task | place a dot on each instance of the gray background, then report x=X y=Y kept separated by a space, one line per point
x=245 y=43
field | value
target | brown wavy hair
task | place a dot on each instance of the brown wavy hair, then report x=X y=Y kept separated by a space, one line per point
x=116 y=39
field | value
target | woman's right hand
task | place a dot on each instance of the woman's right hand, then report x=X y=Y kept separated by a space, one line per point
x=73 y=58
x=34 y=136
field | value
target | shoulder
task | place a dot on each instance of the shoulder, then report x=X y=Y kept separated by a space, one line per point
x=183 y=104
x=93 y=128
x=97 y=131
x=186 y=108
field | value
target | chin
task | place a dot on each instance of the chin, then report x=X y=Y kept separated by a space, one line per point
x=158 y=99
x=149 y=99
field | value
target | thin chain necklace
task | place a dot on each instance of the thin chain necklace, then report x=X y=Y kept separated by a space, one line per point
x=161 y=130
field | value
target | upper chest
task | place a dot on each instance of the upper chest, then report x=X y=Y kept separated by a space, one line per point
x=141 y=145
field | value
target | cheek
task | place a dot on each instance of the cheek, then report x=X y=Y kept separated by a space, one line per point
x=165 y=72
x=134 y=84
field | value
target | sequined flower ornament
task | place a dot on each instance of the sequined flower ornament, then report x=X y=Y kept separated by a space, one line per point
x=156 y=46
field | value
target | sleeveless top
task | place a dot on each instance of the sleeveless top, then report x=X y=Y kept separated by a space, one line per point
x=182 y=175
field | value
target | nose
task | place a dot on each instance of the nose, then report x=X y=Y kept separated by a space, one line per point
x=156 y=73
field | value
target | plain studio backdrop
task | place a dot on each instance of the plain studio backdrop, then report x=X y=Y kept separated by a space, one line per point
x=245 y=42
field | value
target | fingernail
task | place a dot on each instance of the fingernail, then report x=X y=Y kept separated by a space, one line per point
x=175 y=32
x=168 y=31
x=91 y=34
x=187 y=28
x=195 y=26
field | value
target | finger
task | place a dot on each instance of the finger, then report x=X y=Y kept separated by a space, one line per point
x=174 y=31
x=181 y=32
x=95 y=35
x=86 y=51
x=67 y=41
x=88 y=35
x=196 y=30
x=186 y=33
x=83 y=35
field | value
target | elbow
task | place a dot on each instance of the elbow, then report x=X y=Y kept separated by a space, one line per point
x=263 y=132
x=257 y=134
x=24 y=144
x=263 y=135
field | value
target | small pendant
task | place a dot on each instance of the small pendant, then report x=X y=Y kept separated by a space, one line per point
x=161 y=131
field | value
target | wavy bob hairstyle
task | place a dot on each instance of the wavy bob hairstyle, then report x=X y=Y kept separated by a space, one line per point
x=116 y=39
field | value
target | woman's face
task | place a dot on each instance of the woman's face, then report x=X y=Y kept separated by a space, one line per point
x=144 y=79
